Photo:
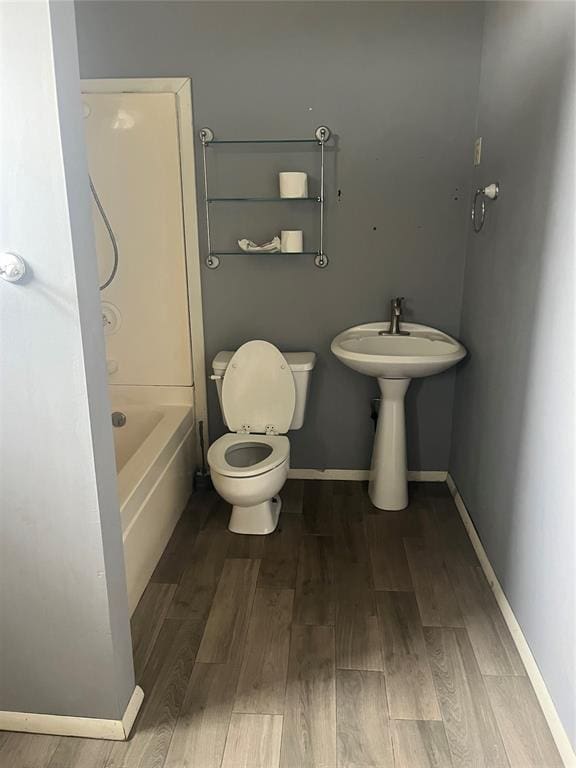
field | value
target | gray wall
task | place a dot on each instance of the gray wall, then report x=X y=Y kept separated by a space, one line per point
x=513 y=447
x=397 y=83
x=64 y=629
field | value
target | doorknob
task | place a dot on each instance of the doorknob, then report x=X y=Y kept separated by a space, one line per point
x=12 y=267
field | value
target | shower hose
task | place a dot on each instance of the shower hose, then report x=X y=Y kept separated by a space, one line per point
x=111 y=235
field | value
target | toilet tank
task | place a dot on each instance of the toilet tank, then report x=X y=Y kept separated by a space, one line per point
x=301 y=364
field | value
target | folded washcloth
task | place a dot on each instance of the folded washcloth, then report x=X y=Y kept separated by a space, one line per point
x=250 y=247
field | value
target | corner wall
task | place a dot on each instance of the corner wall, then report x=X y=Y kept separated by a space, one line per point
x=64 y=626
x=514 y=419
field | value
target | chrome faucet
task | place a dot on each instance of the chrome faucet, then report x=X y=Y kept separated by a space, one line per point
x=395 y=317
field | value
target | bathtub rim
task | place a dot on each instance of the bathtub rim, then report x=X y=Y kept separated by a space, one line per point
x=142 y=470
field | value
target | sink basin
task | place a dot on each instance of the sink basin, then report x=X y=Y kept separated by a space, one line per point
x=424 y=352
x=394 y=361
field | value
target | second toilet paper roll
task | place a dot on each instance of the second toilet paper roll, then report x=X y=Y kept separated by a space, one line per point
x=293 y=184
x=291 y=241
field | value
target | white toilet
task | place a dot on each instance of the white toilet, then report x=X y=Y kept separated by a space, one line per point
x=262 y=395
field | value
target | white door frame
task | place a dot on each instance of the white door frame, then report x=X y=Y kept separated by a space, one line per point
x=181 y=87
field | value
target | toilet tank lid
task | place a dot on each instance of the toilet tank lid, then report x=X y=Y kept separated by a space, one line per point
x=298 y=361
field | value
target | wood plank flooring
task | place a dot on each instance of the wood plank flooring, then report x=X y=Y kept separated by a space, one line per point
x=348 y=638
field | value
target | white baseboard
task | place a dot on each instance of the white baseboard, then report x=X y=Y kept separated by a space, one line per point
x=86 y=727
x=545 y=700
x=420 y=475
x=427 y=475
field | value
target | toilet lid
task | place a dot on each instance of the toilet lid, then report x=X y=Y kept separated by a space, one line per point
x=258 y=392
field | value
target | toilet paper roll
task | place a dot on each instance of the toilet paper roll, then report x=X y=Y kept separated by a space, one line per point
x=291 y=241
x=293 y=184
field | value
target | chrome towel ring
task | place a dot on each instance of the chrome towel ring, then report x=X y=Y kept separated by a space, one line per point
x=490 y=192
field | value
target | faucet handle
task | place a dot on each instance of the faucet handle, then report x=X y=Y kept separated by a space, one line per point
x=397 y=303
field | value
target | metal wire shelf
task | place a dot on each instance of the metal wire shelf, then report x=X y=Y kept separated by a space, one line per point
x=264 y=253
x=264 y=199
x=321 y=136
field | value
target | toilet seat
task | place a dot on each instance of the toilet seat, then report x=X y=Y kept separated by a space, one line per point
x=220 y=454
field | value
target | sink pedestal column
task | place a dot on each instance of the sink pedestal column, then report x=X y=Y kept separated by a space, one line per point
x=388 y=486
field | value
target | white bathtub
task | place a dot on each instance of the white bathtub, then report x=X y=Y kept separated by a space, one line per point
x=156 y=463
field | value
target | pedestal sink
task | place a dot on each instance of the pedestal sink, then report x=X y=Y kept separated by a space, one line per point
x=394 y=361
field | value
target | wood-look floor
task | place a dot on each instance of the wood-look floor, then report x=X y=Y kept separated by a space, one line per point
x=349 y=638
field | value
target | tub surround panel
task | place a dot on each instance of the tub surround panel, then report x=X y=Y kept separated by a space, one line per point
x=133 y=156
x=151 y=395
x=397 y=83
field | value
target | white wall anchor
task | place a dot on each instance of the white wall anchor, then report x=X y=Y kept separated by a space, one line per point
x=12 y=267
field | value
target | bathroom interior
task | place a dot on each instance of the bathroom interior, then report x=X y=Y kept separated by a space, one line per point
x=287 y=395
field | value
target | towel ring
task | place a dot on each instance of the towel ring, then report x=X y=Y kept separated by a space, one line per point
x=490 y=192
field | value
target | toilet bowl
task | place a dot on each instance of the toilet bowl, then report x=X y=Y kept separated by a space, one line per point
x=250 y=464
x=249 y=471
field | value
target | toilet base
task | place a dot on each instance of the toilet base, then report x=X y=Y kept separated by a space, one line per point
x=258 y=519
